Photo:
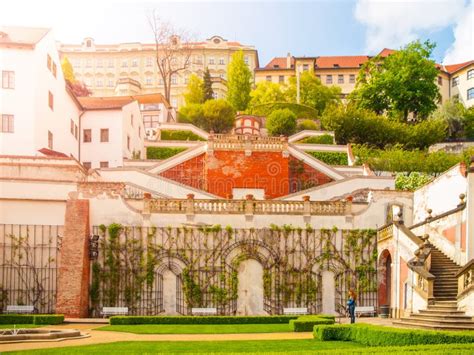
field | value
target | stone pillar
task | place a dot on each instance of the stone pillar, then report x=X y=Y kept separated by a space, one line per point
x=329 y=292
x=470 y=213
x=74 y=269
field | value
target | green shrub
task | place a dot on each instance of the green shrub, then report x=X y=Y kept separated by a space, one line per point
x=281 y=122
x=170 y=135
x=31 y=318
x=412 y=181
x=124 y=320
x=323 y=139
x=331 y=158
x=307 y=323
x=308 y=124
x=162 y=152
x=372 y=335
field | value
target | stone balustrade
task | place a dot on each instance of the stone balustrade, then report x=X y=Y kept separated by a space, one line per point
x=249 y=206
x=385 y=233
x=466 y=278
x=246 y=142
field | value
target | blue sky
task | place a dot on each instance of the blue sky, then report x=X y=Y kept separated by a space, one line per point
x=309 y=28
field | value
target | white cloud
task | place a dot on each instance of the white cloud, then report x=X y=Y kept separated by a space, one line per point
x=462 y=49
x=394 y=23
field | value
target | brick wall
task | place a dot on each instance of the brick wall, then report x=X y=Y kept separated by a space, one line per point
x=74 y=268
x=302 y=176
x=191 y=172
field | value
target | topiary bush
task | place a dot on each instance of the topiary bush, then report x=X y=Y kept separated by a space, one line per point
x=171 y=135
x=31 y=319
x=331 y=158
x=372 y=335
x=281 y=122
x=307 y=323
x=162 y=152
x=125 y=320
x=322 y=139
x=308 y=124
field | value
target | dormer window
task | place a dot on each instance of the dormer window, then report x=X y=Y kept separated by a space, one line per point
x=216 y=40
x=336 y=65
x=276 y=66
x=88 y=43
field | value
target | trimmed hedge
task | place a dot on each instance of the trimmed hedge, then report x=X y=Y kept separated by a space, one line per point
x=31 y=319
x=169 y=135
x=331 y=158
x=372 y=335
x=162 y=152
x=322 y=139
x=125 y=320
x=307 y=323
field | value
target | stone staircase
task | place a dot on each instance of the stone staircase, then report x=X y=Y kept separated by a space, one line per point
x=444 y=313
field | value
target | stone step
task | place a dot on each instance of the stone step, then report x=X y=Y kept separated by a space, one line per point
x=441 y=316
x=442 y=312
x=432 y=326
x=438 y=321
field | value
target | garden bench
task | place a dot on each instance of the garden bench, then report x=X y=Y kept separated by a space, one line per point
x=204 y=311
x=297 y=311
x=365 y=309
x=20 y=309
x=114 y=311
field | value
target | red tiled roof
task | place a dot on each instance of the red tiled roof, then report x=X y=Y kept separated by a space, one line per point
x=452 y=68
x=280 y=63
x=52 y=153
x=350 y=61
x=386 y=52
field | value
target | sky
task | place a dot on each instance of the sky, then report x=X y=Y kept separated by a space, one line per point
x=275 y=28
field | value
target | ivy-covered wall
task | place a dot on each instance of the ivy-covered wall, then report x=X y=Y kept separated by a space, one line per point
x=131 y=262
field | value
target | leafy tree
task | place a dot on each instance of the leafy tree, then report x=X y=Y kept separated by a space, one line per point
x=238 y=82
x=207 y=92
x=68 y=71
x=217 y=115
x=468 y=120
x=412 y=181
x=308 y=125
x=453 y=113
x=265 y=93
x=195 y=90
x=312 y=92
x=281 y=122
x=400 y=84
x=190 y=113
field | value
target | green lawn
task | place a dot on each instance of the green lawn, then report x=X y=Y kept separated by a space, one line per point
x=198 y=328
x=256 y=347
x=10 y=326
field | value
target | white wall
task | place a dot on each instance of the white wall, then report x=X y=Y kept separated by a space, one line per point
x=134 y=129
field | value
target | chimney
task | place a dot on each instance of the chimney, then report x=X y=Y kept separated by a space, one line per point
x=288 y=60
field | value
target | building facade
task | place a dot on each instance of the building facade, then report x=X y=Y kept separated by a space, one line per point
x=103 y=67
x=454 y=81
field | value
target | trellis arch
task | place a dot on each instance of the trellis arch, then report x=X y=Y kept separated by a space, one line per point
x=263 y=253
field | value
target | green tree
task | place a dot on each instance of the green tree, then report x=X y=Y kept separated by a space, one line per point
x=468 y=120
x=452 y=112
x=239 y=84
x=308 y=125
x=68 y=71
x=195 y=90
x=265 y=93
x=207 y=92
x=281 y=122
x=217 y=115
x=312 y=92
x=190 y=113
x=400 y=84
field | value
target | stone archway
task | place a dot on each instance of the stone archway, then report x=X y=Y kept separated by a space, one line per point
x=385 y=278
x=170 y=292
x=250 y=299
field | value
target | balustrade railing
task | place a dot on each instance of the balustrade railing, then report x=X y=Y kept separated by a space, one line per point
x=385 y=233
x=466 y=278
x=246 y=142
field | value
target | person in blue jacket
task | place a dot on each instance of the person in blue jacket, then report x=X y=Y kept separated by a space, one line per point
x=351 y=305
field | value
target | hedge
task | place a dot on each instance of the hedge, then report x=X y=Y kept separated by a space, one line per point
x=331 y=158
x=169 y=135
x=125 y=320
x=31 y=318
x=372 y=335
x=162 y=152
x=322 y=139
x=307 y=323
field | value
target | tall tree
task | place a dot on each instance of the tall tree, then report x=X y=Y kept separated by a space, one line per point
x=312 y=92
x=173 y=50
x=76 y=86
x=207 y=92
x=400 y=84
x=239 y=82
x=265 y=93
x=195 y=90
x=68 y=71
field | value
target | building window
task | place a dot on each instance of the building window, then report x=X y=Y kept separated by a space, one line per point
x=99 y=63
x=211 y=60
x=318 y=76
x=149 y=61
x=221 y=75
x=111 y=63
x=340 y=79
x=55 y=69
x=455 y=81
x=149 y=80
x=124 y=64
x=76 y=131
x=305 y=67
x=135 y=63
x=131 y=119
x=139 y=132
x=49 y=62
x=87 y=136
x=50 y=100
x=104 y=135
x=198 y=59
x=174 y=79
x=150 y=121
x=104 y=164
x=470 y=74
x=246 y=59
x=221 y=61
x=281 y=79
x=110 y=84
x=328 y=79
x=99 y=83
x=72 y=127
x=440 y=80
x=8 y=79
x=88 y=43
x=87 y=165
x=76 y=63
x=6 y=124
x=268 y=78
x=50 y=140
x=352 y=78
x=470 y=93
x=128 y=142
x=88 y=63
